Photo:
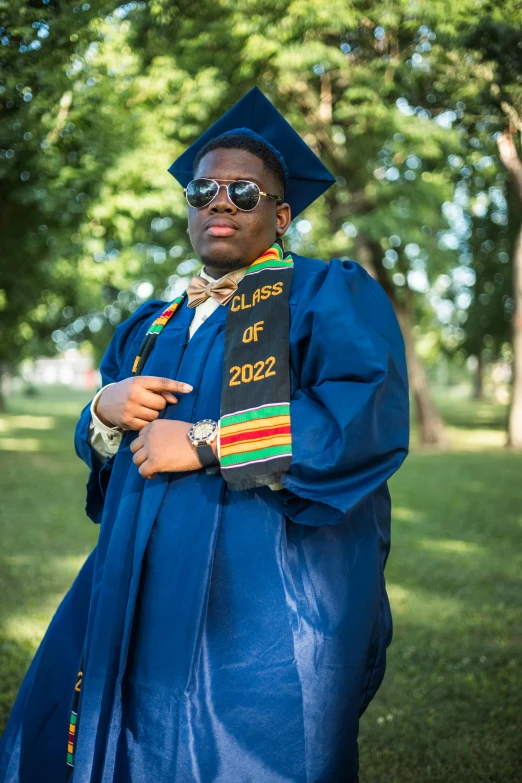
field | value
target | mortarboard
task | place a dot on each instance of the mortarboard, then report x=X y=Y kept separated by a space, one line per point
x=254 y=115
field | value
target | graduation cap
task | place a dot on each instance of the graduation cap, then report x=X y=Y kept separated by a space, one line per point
x=254 y=115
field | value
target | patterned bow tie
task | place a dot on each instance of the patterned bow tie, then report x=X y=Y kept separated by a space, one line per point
x=199 y=290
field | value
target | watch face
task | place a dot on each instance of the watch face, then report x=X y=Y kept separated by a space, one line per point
x=203 y=430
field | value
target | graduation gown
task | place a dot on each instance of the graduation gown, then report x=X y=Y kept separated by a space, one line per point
x=232 y=636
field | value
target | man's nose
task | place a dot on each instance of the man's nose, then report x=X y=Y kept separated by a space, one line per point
x=222 y=202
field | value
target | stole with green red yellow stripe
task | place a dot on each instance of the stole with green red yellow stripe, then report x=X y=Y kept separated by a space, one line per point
x=255 y=435
x=255 y=439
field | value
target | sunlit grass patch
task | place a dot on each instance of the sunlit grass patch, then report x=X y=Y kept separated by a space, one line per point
x=8 y=423
x=465 y=439
x=460 y=547
x=401 y=514
x=476 y=439
x=424 y=606
x=20 y=444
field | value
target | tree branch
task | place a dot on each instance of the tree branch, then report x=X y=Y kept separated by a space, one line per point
x=514 y=117
x=509 y=157
x=65 y=105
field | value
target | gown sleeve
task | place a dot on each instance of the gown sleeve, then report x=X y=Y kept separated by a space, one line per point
x=114 y=367
x=350 y=414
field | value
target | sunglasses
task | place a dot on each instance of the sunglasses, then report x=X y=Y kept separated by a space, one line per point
x=243 y=194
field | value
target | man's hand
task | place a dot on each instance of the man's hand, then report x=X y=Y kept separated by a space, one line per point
x=135 y=402
x=162 y=446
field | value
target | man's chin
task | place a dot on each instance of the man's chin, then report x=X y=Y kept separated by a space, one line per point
x=226 y=263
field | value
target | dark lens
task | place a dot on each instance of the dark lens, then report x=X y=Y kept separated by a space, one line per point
x=245 y=195
x=200 y=192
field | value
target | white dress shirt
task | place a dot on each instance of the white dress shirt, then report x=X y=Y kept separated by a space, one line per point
x=106 y=440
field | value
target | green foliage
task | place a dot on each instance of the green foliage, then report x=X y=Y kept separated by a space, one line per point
x=403 y=104
x=43 y=189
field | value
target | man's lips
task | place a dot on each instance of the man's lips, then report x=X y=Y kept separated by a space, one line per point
x=221 y=231
x=220 y=227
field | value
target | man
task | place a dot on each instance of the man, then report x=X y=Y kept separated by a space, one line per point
x=232 y=622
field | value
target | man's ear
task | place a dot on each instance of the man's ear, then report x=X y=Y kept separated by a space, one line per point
x=283 y=218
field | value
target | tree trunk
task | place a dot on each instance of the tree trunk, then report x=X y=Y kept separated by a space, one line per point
x=478 y=390
x=509 y=156
x=432 y=431
x=431 y=427
x=515 y=414
x=2 y=397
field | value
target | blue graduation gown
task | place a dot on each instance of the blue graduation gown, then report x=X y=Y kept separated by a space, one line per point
x=232 y=636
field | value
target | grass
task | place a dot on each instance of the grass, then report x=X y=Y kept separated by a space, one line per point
x=450 y=707
x=44 y=532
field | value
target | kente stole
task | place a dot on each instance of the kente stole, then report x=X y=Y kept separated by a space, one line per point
x=255 y=441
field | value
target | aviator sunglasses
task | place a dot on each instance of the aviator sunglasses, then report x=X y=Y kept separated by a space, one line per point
x=245 y=195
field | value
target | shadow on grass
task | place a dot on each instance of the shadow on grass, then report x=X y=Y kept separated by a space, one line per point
x=43 y=528
x=449 y=708
x=32 y=588
x=15 y=657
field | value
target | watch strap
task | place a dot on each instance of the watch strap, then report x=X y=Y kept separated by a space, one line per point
x=206 y=455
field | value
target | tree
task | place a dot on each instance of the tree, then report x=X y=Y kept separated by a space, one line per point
x=511 y=160
x=48 y=171
x=495 y=42
x=389 y=97
x=342 y=96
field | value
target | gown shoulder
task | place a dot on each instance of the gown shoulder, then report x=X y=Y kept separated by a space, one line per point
x=336 y=291
x=349 y=407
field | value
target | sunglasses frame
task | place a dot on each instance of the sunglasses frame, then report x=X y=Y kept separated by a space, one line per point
x=277 y=199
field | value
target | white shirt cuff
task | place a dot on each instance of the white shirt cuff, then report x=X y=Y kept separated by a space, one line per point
x=98 y=423
x=104 y=440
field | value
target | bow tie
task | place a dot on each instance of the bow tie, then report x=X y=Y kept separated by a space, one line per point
x=199 y=290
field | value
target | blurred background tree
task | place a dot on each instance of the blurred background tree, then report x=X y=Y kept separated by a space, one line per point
x=44 y=188
x=415 y=111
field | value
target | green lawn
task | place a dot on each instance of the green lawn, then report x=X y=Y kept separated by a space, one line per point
x=450 y=708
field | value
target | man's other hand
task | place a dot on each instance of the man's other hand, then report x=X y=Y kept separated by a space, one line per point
x=162 y=447
x=135 y=402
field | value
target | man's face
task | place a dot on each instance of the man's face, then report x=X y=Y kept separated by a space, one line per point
x=249 y=234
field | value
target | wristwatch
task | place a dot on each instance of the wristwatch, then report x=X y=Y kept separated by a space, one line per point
x=201 y=435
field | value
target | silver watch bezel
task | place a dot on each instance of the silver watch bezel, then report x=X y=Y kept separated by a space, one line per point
x=200 y=441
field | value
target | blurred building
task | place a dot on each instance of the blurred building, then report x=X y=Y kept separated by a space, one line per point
x=70 y=368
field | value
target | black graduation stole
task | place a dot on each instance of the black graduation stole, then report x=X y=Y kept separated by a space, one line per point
x=255 y=437
x=255 y=441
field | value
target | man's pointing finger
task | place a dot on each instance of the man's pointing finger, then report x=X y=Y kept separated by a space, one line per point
x=157 y=384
